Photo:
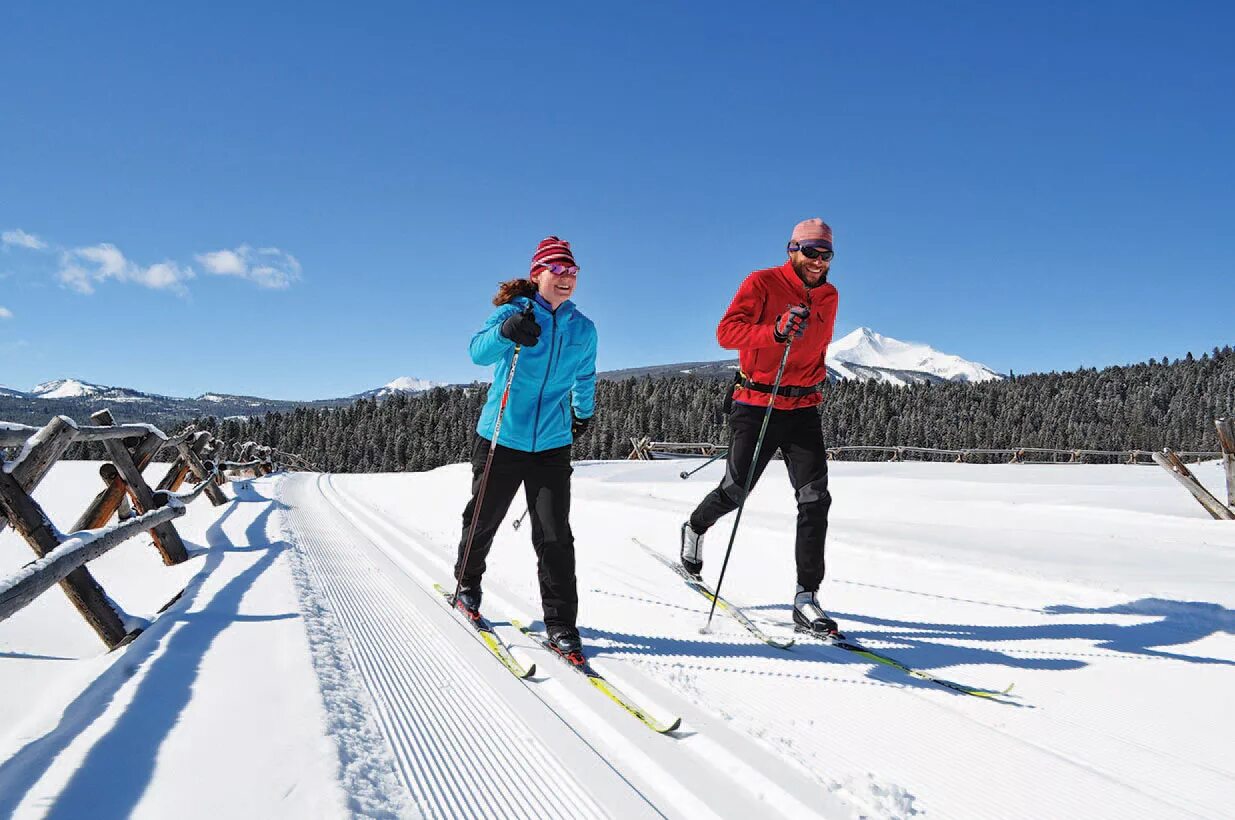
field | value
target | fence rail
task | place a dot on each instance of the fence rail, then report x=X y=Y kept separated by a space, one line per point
x=645 y=448
x=1173 y=462
x=62 y=558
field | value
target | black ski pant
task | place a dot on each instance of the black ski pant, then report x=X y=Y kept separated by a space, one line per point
x=545 y=477
x=799 y=436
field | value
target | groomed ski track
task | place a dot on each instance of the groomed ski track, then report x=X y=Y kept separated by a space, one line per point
x=812 y=731
x=468 y=738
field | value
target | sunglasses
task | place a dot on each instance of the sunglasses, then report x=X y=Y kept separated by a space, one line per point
x=813 y=252
x=562 y=270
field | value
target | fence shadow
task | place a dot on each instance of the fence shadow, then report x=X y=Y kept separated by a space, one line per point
x=117 y=770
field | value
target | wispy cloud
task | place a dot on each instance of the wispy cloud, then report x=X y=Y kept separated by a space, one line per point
x=5 y=313
x=19 y=238
x=266 y=267
x=83 y=268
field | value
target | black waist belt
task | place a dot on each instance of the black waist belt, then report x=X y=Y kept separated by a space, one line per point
x=787 y=390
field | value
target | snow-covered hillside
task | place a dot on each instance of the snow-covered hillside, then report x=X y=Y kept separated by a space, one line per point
x=310 y=670
x=865 y=354
x=66 y=389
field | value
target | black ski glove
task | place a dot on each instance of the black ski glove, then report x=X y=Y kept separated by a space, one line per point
x=579 y=426
x=522 y=328
x=791 y=324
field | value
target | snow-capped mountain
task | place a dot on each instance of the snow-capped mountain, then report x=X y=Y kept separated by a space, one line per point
x=13 y=394
x=865 y=354
x=404 y=384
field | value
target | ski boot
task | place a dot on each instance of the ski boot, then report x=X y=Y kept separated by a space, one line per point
x=468 y=602
x=692 y=549
x=565 y=641
x=808 y=616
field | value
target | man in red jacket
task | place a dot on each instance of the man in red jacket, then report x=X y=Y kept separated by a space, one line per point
x=773 y=306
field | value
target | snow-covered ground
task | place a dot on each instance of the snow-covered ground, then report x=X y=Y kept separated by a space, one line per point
x=310 y=670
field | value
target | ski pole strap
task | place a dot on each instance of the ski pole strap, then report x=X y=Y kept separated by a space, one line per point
x=740 y=379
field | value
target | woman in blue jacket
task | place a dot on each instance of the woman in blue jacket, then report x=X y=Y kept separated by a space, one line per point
x=551 y=403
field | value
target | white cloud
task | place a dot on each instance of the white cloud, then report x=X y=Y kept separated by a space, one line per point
x=5 y=313
x=22 y=239
x=266 y=267
x=83 y=268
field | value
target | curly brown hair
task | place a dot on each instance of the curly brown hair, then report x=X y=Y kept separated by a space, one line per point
x=506 y=291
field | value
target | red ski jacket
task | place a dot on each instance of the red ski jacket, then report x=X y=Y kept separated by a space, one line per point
x=748 y=324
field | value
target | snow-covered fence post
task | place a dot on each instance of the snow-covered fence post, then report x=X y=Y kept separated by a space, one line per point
x=79 y=585
x=192 y=455
x=48 y=444
x=1226 y=439
x=1174 y=465
x=166 y=539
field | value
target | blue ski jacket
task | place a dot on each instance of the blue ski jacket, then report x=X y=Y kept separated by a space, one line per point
x=554 y=376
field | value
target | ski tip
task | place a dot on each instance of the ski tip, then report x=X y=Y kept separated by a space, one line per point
x=1008 y=691
x=531 y=670
x=673 y=727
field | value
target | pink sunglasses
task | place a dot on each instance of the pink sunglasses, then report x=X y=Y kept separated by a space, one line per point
x=562 y=270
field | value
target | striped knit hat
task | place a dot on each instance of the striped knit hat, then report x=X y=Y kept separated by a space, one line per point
x=551 y=250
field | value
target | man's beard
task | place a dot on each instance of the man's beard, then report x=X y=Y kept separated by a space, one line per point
x=801 y=272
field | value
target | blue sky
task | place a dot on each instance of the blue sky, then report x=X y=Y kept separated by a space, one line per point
x=308 y=201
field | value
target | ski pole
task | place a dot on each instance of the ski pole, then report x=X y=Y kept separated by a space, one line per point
x=519 y=520
x=750 y=477
x=685 y=475
x=484 y=478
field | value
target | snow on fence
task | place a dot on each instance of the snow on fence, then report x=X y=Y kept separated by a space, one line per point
x=1173 y=462
x=62 y=557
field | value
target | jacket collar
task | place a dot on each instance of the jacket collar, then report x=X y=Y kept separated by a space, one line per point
x=563 y=310
x=791 y=276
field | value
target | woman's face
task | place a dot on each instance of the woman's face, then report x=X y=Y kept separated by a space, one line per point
x=554 y=288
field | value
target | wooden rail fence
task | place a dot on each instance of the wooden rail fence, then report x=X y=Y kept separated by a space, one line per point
x=62 y=557
x=645 y=448
x=1173 y=462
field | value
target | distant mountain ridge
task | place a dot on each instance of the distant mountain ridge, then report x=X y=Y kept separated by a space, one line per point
x=77 y=399
x=861 y=355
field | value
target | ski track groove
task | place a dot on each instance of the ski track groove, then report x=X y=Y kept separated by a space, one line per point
x=431 y=550
x=428 y=714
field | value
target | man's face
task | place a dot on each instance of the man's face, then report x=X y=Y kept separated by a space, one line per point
x=812 y=272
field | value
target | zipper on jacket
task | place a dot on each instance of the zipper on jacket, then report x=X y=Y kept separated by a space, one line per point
x=548 y=369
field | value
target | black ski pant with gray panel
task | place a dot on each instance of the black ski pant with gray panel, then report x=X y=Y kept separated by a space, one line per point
x=545 y=477
x=799 y=436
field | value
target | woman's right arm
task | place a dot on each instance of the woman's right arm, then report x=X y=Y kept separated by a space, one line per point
x=489 y=345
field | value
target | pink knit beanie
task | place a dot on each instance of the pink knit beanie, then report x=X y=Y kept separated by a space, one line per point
x=812 y=233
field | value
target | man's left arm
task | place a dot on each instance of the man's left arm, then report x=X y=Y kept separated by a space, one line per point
x=827 y=317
